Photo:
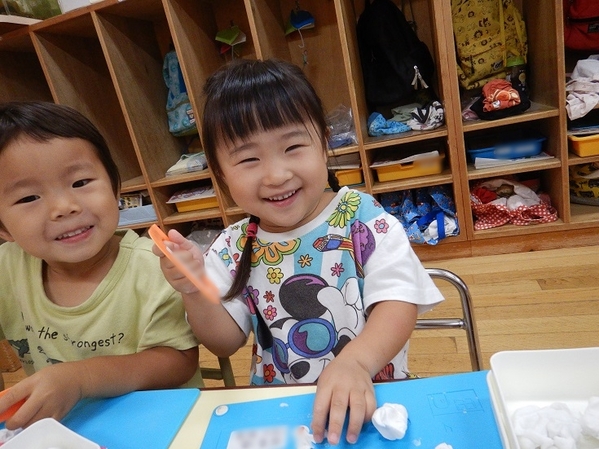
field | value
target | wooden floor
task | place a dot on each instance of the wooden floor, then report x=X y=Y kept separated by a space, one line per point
x=536 y=300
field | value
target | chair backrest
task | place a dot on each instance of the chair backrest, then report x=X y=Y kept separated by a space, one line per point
x=466 y=321
x=9 y=361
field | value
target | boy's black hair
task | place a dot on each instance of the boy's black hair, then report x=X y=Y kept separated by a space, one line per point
x=249 y=96
x=43 y=121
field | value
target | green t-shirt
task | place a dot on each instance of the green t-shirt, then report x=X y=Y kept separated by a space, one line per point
x=132 y=309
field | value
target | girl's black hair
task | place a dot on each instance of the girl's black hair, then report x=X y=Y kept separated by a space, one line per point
x=249 y=96
x=43 y=121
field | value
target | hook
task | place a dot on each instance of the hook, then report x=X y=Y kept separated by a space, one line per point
x=303 y=44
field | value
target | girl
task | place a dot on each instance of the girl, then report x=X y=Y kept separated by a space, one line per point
x=84 y=306
x=326 y=280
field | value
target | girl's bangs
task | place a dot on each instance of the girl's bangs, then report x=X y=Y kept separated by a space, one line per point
x=251 y=112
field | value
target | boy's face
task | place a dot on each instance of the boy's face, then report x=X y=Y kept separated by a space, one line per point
x=278 y=176
x=56 y=199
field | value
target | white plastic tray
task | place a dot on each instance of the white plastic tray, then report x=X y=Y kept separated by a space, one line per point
x=47 y=433
x=541 y=377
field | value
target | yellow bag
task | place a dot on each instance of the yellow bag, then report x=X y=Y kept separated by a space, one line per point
x=584 y=184
x=490 y=35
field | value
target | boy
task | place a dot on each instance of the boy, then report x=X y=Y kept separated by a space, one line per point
x=85 y=307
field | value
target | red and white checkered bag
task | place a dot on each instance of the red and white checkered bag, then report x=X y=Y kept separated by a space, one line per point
x=523 y=208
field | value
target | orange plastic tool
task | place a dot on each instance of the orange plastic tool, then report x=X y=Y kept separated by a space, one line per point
x=6 y=414
x=203 y=283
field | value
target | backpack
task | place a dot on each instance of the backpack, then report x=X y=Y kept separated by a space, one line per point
x=581 y=24
x=181 y=119
x=490 y=35
x=394 y=60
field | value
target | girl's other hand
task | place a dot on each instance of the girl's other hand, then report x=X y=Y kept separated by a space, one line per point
x=188 y=253
x=343 y=384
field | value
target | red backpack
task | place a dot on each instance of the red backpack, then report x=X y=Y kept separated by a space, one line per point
x=581 y=24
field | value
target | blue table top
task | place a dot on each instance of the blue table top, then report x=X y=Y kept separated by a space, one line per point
x=138 y=420
x=454 y=409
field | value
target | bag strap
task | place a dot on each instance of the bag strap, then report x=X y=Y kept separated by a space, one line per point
x=517 y=27
x=412 y=22
x=502 y=31
x=434 y=215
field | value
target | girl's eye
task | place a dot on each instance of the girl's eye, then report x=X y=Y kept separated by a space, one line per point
x=249 y=159
x=294 y=147
x=81 y=183
x=28 y=199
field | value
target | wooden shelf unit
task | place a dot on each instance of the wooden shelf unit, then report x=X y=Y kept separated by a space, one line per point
x=106 y=61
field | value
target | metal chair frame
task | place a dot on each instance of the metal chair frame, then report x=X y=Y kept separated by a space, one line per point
x=224 y=373
x=466 y=322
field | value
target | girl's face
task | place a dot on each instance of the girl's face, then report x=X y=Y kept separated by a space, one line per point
x=56 y=200
x=279 y=176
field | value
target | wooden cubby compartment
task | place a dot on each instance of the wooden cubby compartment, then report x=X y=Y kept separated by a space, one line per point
x=106 y=61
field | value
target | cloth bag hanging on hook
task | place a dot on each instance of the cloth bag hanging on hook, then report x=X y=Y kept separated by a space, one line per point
x=490 y=35
x=181 y=118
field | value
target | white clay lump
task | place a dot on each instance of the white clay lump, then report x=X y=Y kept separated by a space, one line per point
x=391 y=420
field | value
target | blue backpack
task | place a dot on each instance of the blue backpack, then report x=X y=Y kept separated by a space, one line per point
x=181 y=119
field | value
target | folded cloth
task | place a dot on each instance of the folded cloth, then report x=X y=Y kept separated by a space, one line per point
x=378 y=126
x=478 y=106
x=583 y=88
x=403 y=113
x=499 y=94
x=187 y=163
x=430 y=116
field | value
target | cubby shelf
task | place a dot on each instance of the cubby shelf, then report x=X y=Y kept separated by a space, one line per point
x=106 y=61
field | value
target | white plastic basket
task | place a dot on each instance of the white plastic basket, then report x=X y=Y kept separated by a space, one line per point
x=540 y=377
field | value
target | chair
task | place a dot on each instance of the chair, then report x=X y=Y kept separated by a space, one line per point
x=9 y=361
x=465 y=322
x=224 y=373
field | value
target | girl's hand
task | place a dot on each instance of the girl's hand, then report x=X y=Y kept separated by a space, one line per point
x=343 y=384
x=49 y=393
x=347 y=381
x=188 y=253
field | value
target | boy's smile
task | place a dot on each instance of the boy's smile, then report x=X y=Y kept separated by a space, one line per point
x=56 y=201
x=278 y=175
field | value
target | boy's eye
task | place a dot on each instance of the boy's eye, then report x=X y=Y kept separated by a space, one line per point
x=249 y=159
x=81 y=183
x=28 y=199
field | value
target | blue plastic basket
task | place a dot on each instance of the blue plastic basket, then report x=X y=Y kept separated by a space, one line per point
x=525 y=143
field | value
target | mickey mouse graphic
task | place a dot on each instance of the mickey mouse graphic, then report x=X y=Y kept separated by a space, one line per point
x=311 y=335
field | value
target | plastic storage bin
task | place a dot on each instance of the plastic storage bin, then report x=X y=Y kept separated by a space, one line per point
x=541 y=378
x=349 y=177
x=523 y=143
x=419 y=167
x=585 y=145
x=195 y=198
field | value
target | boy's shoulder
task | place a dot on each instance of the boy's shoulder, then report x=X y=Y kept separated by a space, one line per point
x=136 y=249
x=11 y=251
x=132 y=241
